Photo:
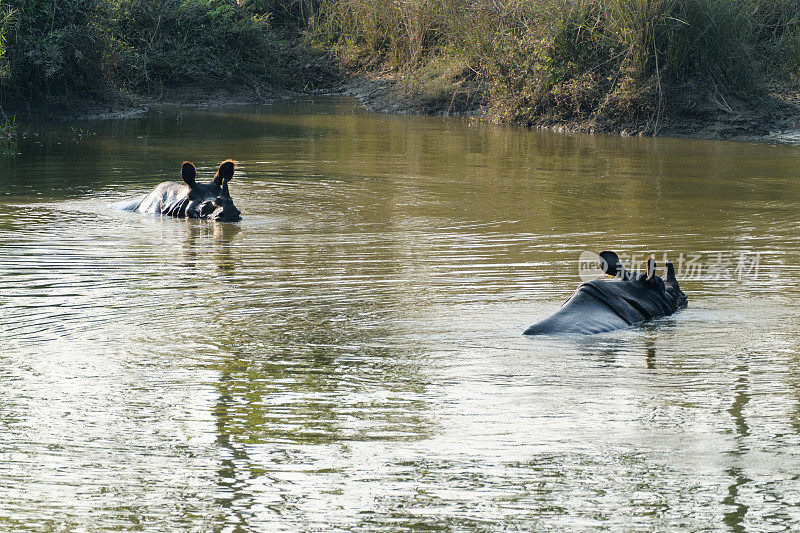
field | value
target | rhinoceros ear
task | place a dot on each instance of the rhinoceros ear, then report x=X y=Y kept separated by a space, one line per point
x=651 y=268
x=188 y=173
x=225 y=172
x=610 y=263
x=670 y=274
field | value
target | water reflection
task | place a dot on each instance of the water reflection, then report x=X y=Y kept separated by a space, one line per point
x=650 y=353
x=233 y=495
x=734 y=519
x=215 y=240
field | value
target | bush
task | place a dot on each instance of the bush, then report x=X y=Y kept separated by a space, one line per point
x=543 y=60
x=96 y=49
x=191 y=41
x=51 y=49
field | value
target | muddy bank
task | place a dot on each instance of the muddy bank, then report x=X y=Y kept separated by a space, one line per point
x=775 y=116
x=766 y=118
x=387 y=93
x=302 y=69
x=771 y=117
x=189 y=97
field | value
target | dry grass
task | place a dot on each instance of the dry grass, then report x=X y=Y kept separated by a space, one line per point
x=602 y=61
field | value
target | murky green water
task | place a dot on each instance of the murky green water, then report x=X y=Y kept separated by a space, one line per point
x=349 y=356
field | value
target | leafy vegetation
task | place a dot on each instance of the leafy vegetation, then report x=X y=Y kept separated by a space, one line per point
x=57 y=51
x=604 y=61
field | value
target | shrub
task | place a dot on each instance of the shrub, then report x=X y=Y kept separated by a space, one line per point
x=61 y=50
x=544 y=60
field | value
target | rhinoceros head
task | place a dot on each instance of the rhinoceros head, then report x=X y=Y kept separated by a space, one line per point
x=210 y=200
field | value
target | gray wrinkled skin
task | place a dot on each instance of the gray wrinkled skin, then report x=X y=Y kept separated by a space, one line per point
x=607 y=304
x=211 y=201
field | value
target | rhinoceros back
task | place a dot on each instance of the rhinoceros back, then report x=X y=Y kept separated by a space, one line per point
x=164 y=198
x=127 y=205
x=582 y=314
x=634 y=301
x=605 y=305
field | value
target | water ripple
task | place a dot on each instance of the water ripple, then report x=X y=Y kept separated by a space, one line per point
x=349 y=356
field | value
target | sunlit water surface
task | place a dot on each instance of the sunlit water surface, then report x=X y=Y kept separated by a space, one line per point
x=350 y=357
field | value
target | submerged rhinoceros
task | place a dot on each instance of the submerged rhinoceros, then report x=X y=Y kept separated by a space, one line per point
x=210 y=200
x=625 y=299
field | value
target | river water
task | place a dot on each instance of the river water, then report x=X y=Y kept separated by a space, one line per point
x=349 y=356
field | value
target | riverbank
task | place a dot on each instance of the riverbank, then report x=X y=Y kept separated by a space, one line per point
x=305 y=69
x=698 y=68
x=383 y=91
x=691 y=68
x=762 y=118
x=95 y=57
